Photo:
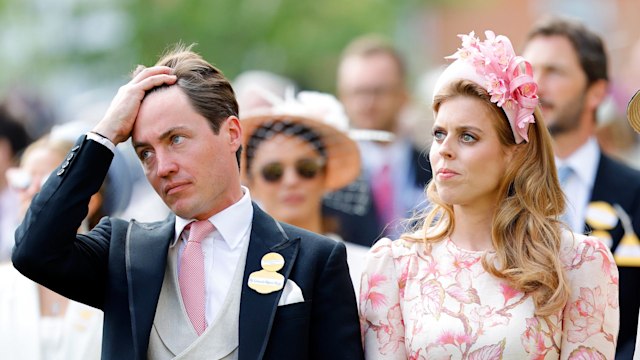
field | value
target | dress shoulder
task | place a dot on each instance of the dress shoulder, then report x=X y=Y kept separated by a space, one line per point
x=379 y=304
x=578 y=250
x=396 y=248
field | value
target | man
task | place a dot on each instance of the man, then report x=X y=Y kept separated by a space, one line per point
x=219 y=278
x=371 y=85
x=570 y=67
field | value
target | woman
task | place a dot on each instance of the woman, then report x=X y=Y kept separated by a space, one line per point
x=294 y=155
x=491 y=273
x=38 y=323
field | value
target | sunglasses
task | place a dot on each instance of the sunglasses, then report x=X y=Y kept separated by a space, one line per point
x=305 y=168
x=21 y=180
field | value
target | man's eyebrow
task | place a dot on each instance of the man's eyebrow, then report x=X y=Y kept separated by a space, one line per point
x=162 y=136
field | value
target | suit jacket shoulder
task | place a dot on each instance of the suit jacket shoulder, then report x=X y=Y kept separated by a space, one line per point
x=617 y=183
x=615 y=179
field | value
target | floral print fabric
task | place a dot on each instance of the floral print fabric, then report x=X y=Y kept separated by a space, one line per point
x=440 y=303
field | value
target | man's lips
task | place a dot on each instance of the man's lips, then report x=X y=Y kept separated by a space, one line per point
x=175 y=187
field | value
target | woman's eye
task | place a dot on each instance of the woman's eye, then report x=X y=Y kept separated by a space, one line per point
x=468 y=138
x=438 y=135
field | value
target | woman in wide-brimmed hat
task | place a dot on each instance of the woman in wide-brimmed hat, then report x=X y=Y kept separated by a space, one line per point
x=295 y=152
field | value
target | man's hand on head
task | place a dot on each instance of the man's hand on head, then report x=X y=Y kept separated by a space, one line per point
x=117 y=123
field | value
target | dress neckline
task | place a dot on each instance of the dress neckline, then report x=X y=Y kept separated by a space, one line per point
x=467 y=251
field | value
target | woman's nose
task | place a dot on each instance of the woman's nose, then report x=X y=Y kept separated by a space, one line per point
x=290 y=176
x=445 y=148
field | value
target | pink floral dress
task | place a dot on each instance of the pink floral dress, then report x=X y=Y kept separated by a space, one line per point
x=442 y=304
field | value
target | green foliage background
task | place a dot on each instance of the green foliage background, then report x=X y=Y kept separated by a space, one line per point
x=65 y=47
x=300 y=39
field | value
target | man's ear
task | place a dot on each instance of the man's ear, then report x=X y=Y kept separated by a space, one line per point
x=234 y=129
x=596 y=93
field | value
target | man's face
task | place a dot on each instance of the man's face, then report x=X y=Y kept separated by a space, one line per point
x=562 y=84
x=192 y=169
x=372 y=91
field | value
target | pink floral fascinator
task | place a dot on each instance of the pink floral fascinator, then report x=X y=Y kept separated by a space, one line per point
x=508 y=78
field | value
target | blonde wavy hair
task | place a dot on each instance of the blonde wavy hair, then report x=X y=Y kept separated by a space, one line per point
x=526 y=233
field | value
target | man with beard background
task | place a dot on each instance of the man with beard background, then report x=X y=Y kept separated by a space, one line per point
x=603 y=195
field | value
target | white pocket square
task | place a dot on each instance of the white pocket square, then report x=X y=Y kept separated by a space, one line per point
x=291 y=294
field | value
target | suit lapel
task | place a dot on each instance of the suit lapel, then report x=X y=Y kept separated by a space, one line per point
x=146 y=259
x=257 y=311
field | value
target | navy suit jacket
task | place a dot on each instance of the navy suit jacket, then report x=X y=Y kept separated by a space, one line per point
x=119 y=267
x=617 y=183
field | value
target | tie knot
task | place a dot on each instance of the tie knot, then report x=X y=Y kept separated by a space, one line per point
x=198 y=230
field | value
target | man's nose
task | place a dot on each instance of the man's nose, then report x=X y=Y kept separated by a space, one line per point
x=166 y=164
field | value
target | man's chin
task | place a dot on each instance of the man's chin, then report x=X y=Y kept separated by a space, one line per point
x=181 y=210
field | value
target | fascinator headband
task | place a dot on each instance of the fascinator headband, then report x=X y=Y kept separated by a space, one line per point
x=508 y=78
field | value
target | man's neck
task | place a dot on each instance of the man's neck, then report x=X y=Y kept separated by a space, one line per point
x=232 y=196
x=566 y=144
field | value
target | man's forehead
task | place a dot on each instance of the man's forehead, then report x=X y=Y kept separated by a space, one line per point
x=538 y=53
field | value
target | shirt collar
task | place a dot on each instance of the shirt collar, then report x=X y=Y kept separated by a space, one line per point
x=377 y=155
x=231 y=223
x=584 y=161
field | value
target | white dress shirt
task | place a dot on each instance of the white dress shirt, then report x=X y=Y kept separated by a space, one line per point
x=221 y=249
x=579 y=185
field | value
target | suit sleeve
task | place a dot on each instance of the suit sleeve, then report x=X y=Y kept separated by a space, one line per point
x=335 y=330
x=47 y=249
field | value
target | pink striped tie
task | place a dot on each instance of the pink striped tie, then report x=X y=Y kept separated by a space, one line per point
x=191 y=274
x=383 y=195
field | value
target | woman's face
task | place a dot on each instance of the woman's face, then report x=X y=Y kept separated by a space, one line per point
x=467 y=157
x=282 y=178
x=36 y=167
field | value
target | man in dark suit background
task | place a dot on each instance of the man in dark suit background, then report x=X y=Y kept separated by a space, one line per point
x=229 y=300
x=372 y=87
x=603 y=195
